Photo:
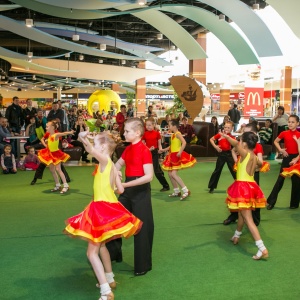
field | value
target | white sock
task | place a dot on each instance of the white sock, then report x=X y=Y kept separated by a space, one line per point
x=237 y=234
x=260 y=245
x=110 y=277
x=185 y=189
x=66 y=185
x=57 y=185
x=105 y=289
x=176 y=190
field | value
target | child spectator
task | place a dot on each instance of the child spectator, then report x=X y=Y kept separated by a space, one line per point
x=214 y=120
x=265 y=133
x=31 y=161
x=8 y=161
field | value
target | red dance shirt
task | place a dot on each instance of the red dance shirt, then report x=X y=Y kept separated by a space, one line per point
x=289 y=143
x=135 y=157
x=151 y=138
x=258 y=149
x=222 y=142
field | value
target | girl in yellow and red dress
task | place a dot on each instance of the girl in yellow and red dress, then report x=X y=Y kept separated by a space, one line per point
x=104 y=218
x=177 y=160
x=244 y=195
x=52 y=156
x=294 y=168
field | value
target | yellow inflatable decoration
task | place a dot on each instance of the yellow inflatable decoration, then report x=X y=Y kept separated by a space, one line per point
x=104 y=99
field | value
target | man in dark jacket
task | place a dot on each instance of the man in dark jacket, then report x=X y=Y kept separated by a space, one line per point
x=235 y=116
x=56 y=113
x=15 y=117
x=29 y=112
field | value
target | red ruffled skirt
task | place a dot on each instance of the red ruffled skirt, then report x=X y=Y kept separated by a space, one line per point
x=173 y=162
x=103 y=221
x=245 y=195
x=47 y=157
x=292 y=170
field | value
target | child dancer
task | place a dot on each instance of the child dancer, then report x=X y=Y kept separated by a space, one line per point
x=258 y=151
x=289 y=153
x=52 y=156
x=152 y=140
x=244 y=194
x=136 y=198
x=224 y=156
x=8 y=161
x=294 y=169
x=104 y=218
x=176 y=160
x=31 y=161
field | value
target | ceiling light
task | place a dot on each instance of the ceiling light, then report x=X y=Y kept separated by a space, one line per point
x=159 y=36
x=102 y=47
x=29 y=54
x=75 y=37
x=221 y=17
x=123 y=61
x=100 y=61
x=142 y=2
x=81 y=57
x=29 y=22
x=67 y=55
x=172 y=47
x=255 y=6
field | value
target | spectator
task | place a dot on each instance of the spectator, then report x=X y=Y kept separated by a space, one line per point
x=65 y=123
x=4 y=133
x=281 y=119
x=80 y=126
x=31 y=132
x=56 y=113
x=150 y=112
x=31 y=161
x=29 y=112
x=165 y=123
x=214 y=120
x=121 y=117
x=130 y=111
x=266 y=132
x=8 y=161
x=186 y=130
x=225 y=120
x=72 y=118
x=15 y=116
x=235 y=116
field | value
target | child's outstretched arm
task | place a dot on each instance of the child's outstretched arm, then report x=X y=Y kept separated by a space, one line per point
x=59 y=134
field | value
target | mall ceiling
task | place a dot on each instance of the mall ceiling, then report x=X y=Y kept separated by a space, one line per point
x=129 y=32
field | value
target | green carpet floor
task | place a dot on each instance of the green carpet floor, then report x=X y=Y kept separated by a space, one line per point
x=192 y=255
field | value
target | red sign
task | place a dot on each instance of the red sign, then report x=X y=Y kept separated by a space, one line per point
x=253 y=104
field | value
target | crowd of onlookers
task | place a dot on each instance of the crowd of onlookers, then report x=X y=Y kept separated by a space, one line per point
x=34 y=121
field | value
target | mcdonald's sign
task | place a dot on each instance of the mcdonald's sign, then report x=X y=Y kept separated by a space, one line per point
x=253 y=105
x=252 y=96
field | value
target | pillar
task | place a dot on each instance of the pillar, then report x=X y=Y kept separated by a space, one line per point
x=115 y=87
x=224 y=101
x=140 y=93
x=197 y=67
x=286 y=89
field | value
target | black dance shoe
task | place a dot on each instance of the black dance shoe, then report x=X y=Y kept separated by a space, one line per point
x=270 y=206
x=33 y=181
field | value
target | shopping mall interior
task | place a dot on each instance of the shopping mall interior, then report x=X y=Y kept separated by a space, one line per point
x=73 y=50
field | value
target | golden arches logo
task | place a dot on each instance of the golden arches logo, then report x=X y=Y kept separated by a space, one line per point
x=252 y=96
